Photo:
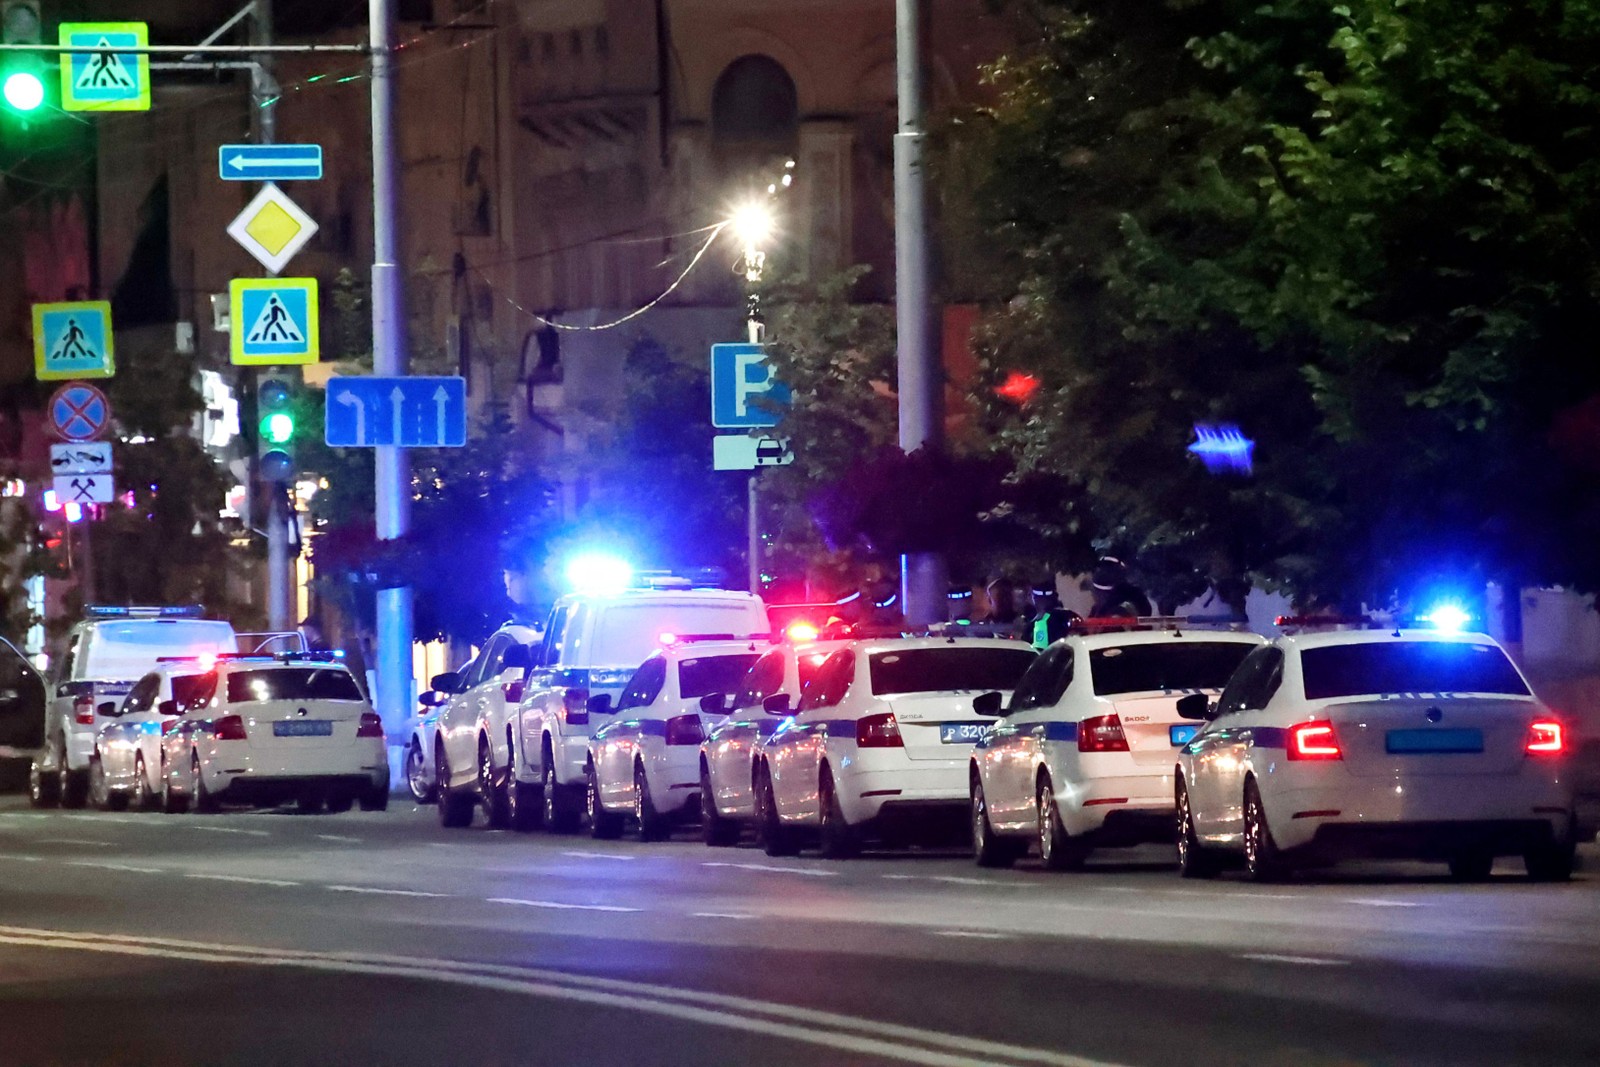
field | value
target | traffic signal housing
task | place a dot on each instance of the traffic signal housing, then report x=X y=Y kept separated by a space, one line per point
x=275 y=427
x=25 y=77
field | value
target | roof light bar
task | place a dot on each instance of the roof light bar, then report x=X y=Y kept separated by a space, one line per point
x=125 y=611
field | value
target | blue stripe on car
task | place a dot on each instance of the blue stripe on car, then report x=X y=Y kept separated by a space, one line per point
x=1060 y=731
x=1269 y=737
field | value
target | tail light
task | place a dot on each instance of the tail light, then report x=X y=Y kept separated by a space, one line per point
x=513 y=691
x=228 y=728
x=684 y=730
x=575 y=706
x=1103 y=733
x=83 y=710
x=1546 y=737
x=371 y=725
x=879 y=731
x=170 y=725
x=1313 y=741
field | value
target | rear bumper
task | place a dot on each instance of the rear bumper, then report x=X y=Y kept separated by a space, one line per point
x=906 y=788
x=249 y=789
x=1130 y=809
x=1432 y=840
x=237 y=773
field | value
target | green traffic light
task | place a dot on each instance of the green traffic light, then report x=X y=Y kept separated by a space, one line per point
x=24 y=91
x=277 y=428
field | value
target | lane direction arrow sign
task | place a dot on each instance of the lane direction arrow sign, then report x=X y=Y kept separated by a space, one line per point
x=269 y=162
x=414 y=412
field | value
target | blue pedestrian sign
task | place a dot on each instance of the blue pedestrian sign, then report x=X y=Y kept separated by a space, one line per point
x=740 y=376
x=273 y=321
x=73 y=340
x=269 y=162
x=105 y=80
x=420 y=412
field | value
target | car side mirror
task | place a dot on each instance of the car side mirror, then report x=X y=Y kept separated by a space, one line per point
x=600 y=704
x=167 y=707
x=777 y=704
x=108 y=708
x=515 y=659
x=714 y=703
x=448 y=682
x=432 y=698
x=1195 y=706
x=988 y=704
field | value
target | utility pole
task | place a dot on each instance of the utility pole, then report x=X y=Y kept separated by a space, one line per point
x=389 y=358
x=921 y=373
x=264 y=126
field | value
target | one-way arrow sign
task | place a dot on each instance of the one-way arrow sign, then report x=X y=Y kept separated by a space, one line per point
x=269 y=162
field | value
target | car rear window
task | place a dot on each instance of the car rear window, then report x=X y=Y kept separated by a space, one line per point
x=944 y=670
x=1408 y=667
x=626 y=634
x=191 y=691
x=1164 y=667
x=119 y=651
x=712 y=674
x=292 y=683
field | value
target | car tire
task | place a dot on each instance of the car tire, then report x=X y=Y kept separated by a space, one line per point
x=1194 y=859
x=491 y=791
x=526 y=805
x=44 y=790
x=1473 y=865
x=603 y=825
x=100 y=790
x=653 y=826
x=149 y=799
x=340 y=801
x=775 y=838
x=205 y=801
x=172 y=801
x=716 y=829
x=1554 y=862
x=838 y=839
x=74 y=784
x=1058 y=850
x=563 y=809
x=988 y=850
x=375 y=798
x=1262 y=860
x=417 y=781
x=456 y=808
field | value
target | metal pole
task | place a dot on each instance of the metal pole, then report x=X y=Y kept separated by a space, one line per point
x=921 y=379
x=393 y=478
x=753 y=519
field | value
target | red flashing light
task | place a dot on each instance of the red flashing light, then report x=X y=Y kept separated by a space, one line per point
x=1103 y=733
x=1019 y=388
x=1546 y=737
x=879 y=731
x=228 y=728
x=371 y=725
x=684 y=730
x=667 y=637
x=575 y=707
x=1314 y=741
x=801 y=632
x=513 y=691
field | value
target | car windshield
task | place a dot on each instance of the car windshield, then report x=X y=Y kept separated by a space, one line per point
x=1165 y=667
x=712 y=674
x=191 y=691
x=1408 y=667
x=945 y=670
x=292 y=683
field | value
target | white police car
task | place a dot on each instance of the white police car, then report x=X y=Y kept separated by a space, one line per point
x=766 y=697
x=883 y=733
x=1387 y=743
x=126 y=763
x=645 y=761
x=1082 y=757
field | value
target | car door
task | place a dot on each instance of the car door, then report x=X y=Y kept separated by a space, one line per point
x=22 y=703
x=483 y=698
x=458 y=721
x=1009 y=753
x=730 y=744
x=795 y=781
x=119 y=741
x=1216 y=796
x=616 y=741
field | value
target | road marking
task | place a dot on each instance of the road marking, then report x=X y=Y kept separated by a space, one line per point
x=1379 y=902
x=20 y=858
x=558 y=905
x=597 y=855
x=721 y=915
x=102 y=817
x=852 y=1034
x=225 y=830
x=957 y=879
x=982 y=935
x=242 y=879
x=115 y=867
x=339 y=837
x=73 y=841
x=1308 y=961
x=770 y=868
x=23 y=815
x=382 y=892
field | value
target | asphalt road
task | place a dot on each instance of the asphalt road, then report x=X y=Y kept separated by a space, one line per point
x=277 y=938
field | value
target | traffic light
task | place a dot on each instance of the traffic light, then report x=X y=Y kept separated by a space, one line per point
x=275 y=429
x=24 y=76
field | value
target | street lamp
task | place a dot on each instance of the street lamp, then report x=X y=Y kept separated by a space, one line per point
x=752 y=224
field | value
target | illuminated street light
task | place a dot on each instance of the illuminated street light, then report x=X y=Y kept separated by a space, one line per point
x=753 y=224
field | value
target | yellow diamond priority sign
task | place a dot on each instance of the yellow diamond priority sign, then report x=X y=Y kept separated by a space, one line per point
x=272 y=228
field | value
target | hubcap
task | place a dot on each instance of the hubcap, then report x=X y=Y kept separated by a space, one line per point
x=549 y=780
x=1047 y=822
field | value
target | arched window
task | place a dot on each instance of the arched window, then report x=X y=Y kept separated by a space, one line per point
x=755 y=115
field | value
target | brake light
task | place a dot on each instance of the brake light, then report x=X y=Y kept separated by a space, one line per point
x=371 y=725
x=1314 y=740
x=684 y=730
x=1103 y=733
x=879 y=731
x=1546 y=737
x=228 y=728
x=83 y=710
x=513 y=691
x=170 y=725
x=575 y=707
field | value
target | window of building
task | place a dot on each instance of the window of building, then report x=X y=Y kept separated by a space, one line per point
x=755 y=115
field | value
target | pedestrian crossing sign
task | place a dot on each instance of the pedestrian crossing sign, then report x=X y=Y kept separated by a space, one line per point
x=274 y=321
x=105 y=81
x=73 y=341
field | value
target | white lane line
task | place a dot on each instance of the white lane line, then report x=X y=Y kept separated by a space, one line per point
x=1379 y=902
x=241 y=879
x=382 y=892
x=721 y=915
x=557 y=905
x=982 y=935
x=770 y=868
x=225 y=830
x=339 y=837
x=1307 y=961
x=23 y=815
x=102 y=817
x=956 y=879
x=596 y=855
x=73 y=841
x=851 y=1034
x=115 y=867
x=20 y=857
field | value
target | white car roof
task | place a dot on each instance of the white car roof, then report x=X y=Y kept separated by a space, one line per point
x=522 y=632
x=1123 y=638
x=1327 y=638
x=898 y=644
x=700 y=649
x=647 y=596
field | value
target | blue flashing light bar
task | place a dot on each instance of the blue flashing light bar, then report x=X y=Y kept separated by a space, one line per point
x=119 y=611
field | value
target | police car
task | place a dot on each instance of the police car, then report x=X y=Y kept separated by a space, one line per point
x=1392 y=743
x=882 y=736
x=645 y=762
x=270 y=729
x=729 y=756
x=1082 y=757
x=126 y=764
x=473 y=725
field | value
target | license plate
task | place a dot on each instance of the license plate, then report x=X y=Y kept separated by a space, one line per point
x=964 y=733
x=1183 y=733
x=302 y=728
x=1412 y=742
